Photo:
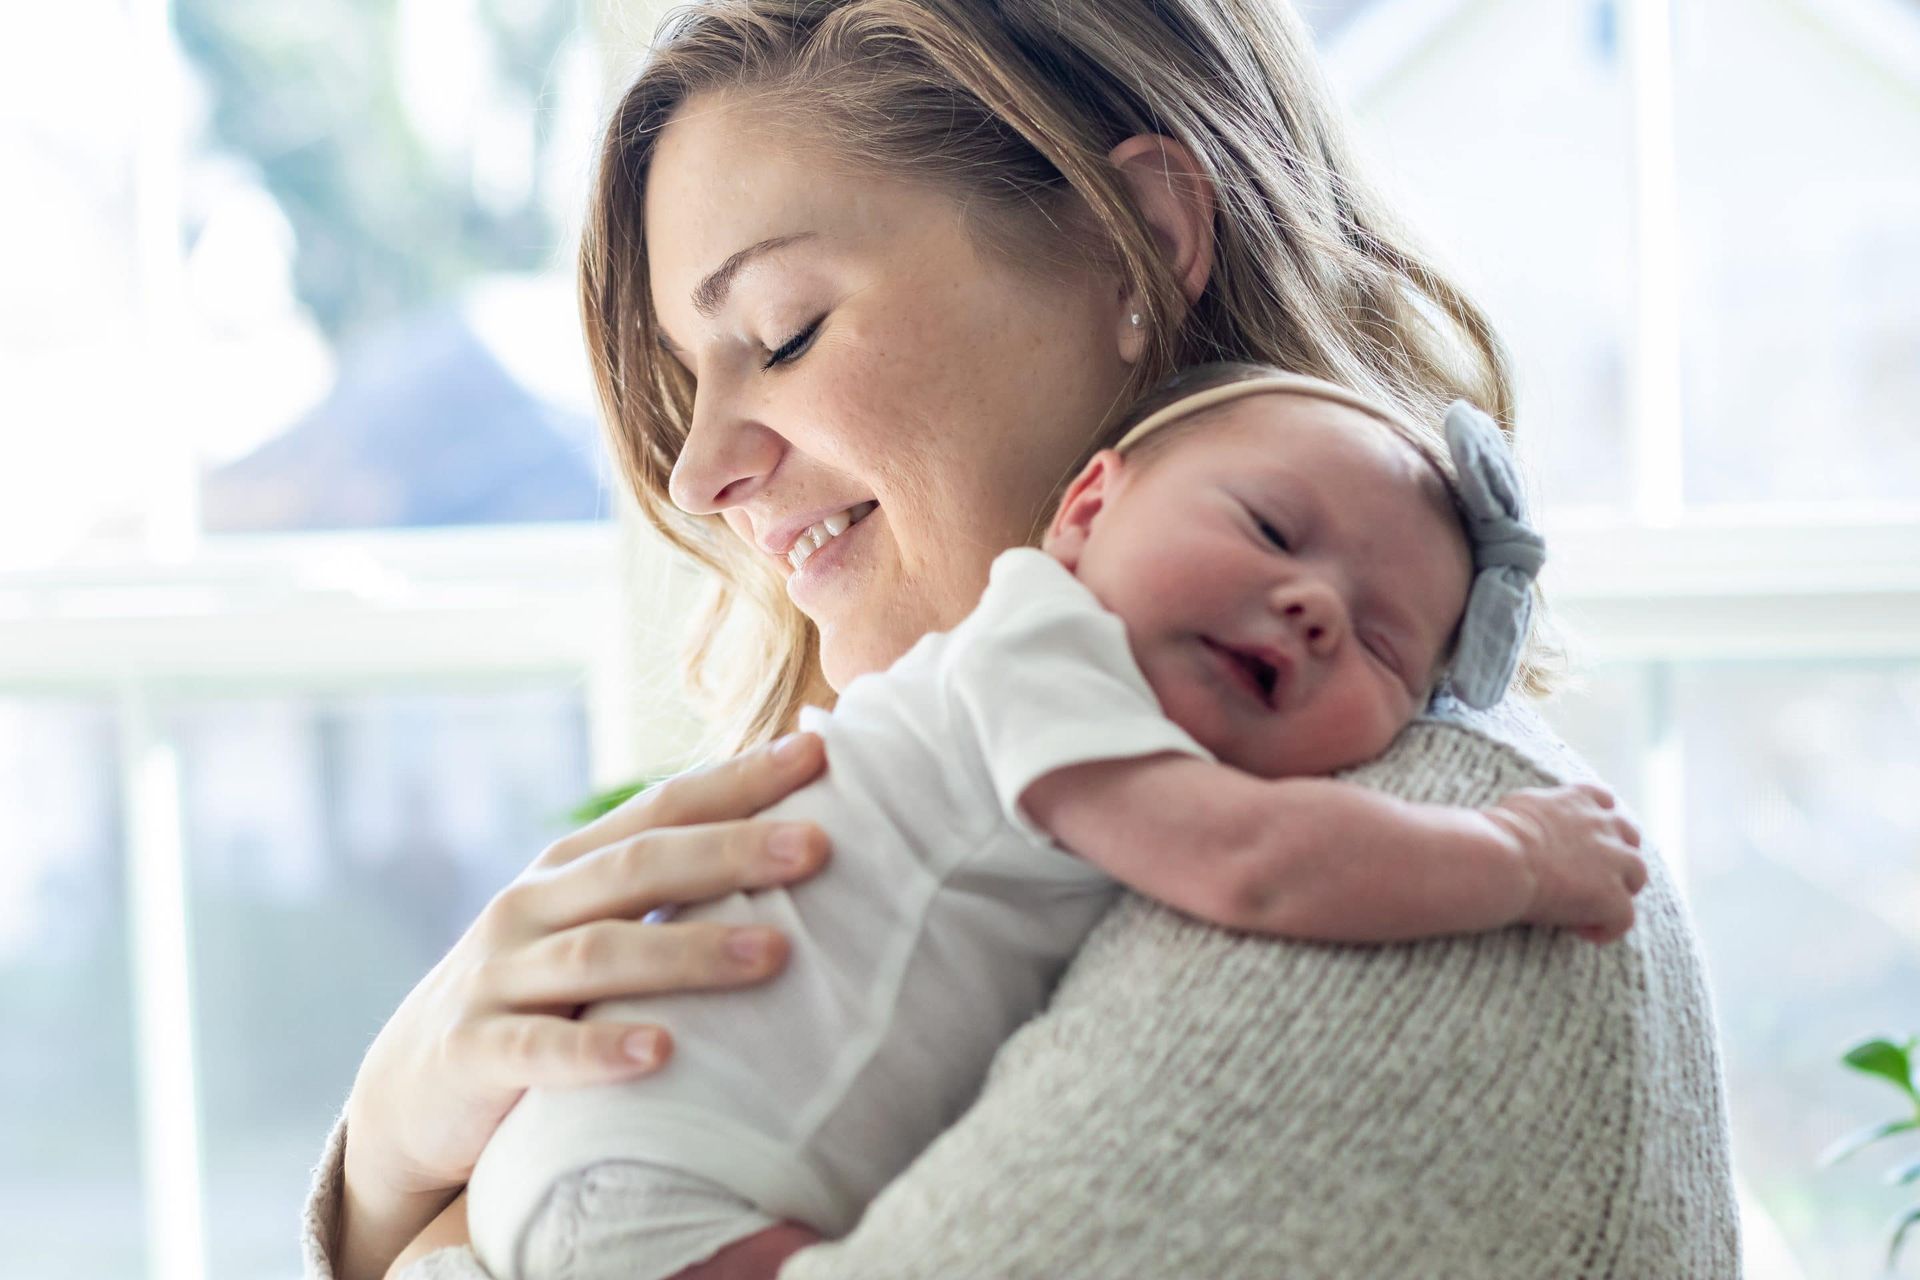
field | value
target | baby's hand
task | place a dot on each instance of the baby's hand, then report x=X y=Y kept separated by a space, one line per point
x=1581 y=852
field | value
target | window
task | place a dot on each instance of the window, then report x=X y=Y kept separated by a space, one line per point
x=336 y=846
x=310 y=630
x=1695 y=225
x=315 y=617
x=70 y=1173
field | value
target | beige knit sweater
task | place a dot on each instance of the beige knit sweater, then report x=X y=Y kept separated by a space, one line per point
x=1195 y=1103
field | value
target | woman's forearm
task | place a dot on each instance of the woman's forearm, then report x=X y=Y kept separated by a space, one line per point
x=374 y=1227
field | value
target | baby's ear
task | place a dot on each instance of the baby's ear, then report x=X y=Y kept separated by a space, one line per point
x=1085 y=499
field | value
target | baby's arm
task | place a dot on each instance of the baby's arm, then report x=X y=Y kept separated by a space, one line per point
x=1318 y=859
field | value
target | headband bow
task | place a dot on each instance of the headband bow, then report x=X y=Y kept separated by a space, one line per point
x=1507 y=554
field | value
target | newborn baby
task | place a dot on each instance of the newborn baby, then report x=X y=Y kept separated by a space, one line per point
x=1261 y=585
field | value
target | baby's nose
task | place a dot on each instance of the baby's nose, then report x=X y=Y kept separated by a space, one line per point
x=1316 y=616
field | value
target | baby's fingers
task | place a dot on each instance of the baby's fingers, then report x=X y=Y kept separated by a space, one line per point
x=1633 y=872
x=1611 y=927
x=1597 y=794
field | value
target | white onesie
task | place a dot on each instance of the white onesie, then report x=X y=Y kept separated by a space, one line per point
x=939 y=926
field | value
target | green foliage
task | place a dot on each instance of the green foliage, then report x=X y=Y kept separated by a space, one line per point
x=1888 y=1060
x=1901 y=1226
x=1866 y=1137
x=607 y=801
x=1892 y=1062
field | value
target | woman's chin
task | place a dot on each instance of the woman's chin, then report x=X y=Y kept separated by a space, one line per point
x=842 y=663
x=845 y=658
x=859 y=637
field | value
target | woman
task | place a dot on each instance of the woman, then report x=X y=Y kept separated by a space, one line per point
x=879 y=273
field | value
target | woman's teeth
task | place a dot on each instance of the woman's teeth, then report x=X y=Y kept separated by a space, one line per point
x=819 y=535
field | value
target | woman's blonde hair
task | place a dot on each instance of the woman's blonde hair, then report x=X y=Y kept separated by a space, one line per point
x=1013 y=107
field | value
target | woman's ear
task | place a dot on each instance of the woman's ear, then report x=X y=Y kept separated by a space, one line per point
x=1176 y=199
x=1088 y=495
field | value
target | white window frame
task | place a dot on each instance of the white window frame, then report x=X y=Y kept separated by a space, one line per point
x=1657 y=585
x=316 y=612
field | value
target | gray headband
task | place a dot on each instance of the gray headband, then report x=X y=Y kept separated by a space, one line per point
x=1507 y=555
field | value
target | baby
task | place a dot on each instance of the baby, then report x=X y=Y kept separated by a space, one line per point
x=1263 y=583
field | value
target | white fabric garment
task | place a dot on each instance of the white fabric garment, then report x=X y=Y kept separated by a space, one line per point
x=630 y=1220
x=938 y=927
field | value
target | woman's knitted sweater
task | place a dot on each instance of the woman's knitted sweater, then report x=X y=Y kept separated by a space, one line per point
x=1195 y=1103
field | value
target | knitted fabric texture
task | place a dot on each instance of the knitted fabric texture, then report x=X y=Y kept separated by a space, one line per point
x=1198 y=1103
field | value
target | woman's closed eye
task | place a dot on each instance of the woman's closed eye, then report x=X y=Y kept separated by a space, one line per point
x=792 y=347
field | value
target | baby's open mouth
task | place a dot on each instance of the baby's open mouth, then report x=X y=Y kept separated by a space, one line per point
x=1260 y=674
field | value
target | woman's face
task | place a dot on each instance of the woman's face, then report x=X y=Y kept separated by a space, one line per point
x=852 y=346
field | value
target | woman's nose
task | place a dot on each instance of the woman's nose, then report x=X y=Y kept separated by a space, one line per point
x=724 y=461
x=1315 y=613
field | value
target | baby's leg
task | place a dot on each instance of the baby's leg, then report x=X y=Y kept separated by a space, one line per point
x=630 y=1220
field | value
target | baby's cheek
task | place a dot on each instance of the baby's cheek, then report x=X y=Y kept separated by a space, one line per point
x=1359 y=724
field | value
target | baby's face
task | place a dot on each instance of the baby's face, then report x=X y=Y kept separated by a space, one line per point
x=1287 y=575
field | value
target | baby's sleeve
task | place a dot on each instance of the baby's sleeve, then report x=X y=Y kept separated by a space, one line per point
x=1043 y=677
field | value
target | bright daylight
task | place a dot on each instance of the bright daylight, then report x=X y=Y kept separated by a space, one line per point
x=930 y=638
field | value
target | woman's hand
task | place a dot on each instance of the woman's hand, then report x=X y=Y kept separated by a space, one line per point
x=497 y=1014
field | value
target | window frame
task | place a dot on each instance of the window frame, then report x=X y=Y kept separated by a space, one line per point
x=1655 y=585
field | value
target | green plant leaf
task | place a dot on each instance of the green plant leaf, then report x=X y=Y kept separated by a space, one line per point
x=1884 y=1058
x=1865 y=1138
x=1903 y=1175
x=1903 y=1224
x=607 y=801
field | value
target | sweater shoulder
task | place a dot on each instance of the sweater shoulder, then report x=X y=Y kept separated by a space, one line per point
x=1510 y=1104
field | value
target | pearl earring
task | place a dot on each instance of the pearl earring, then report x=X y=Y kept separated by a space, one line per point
x=1135 y=318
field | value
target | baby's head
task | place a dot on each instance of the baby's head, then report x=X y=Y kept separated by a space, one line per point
x=1290 y=563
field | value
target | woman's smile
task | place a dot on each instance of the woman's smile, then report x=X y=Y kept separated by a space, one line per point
x=797 y=540
x=816 y=576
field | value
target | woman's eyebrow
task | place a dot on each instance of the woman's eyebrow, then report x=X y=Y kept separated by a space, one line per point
x=711 y=293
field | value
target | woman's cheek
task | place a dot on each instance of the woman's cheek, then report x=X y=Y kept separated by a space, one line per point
x=737 y=521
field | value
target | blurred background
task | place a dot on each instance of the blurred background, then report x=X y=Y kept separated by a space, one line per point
x=320 y=607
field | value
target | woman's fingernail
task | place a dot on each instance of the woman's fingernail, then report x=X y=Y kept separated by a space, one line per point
x=787 y=749
x=643 y=1047
x=789 y=846
x=749 y=946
